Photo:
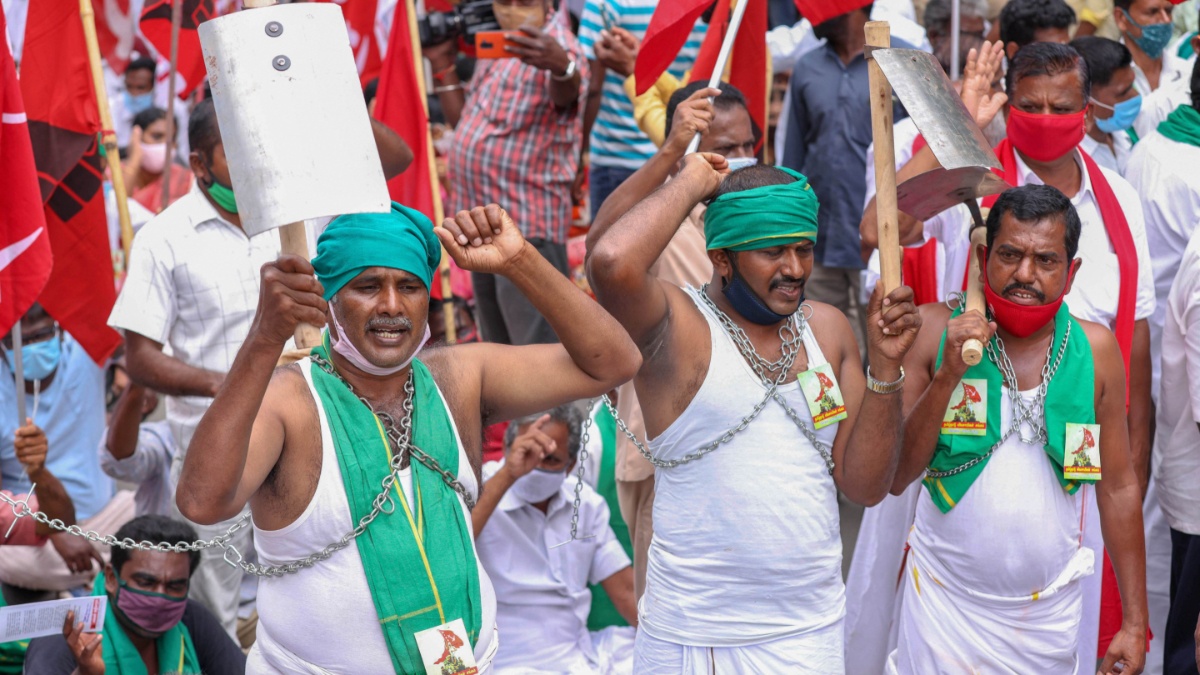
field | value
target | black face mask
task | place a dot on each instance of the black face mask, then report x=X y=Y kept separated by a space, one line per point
x=747 y=303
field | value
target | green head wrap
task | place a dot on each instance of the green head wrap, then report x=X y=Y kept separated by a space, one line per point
x=762 y=217
x=401 y=239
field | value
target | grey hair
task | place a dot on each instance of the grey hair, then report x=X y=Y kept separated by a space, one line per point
x=570 y=414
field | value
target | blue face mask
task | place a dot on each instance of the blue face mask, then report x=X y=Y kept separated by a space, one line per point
x=1154 y=36
x=1123 y=115
x=39 y=359
x=747 y=303
x=137 y=103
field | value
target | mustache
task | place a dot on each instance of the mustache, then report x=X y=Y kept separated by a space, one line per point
x=389 y=323
x=785 y=279
x=1017 y=286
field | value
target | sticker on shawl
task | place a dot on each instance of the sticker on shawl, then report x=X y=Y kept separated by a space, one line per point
x=446 y=650
x=1081 y=452
x=967 y=413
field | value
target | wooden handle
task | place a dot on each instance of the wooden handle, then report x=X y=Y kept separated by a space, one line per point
x=878 y=34
x=972 y=350
x=294 y=240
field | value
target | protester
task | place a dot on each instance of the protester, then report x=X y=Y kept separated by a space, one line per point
x=150 y=624
x=64 y=398
x=135 y=95
x=1146 y=30
x=717 y=592
x=373 y=272
x=1024 y=22
x=1115 y=103
x=136 y=451
x=146 y=166
x=997 y=526
x=1158 y=105
x=542 y=599
x=49 y=496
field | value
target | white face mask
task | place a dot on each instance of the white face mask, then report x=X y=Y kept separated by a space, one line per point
x=154 y=157
x=736 y=163
x=347 y=349
x=538 y=485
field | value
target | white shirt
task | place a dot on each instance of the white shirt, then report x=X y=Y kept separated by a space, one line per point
x=1176 y=463
x=1164 y=172
x=1157 y=106
x=1096 y=290
x=1114 y=159
x=542 y=596
x=193 y=285
x=149 y=467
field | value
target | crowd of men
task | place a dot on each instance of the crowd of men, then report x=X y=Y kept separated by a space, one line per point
x=642 y=459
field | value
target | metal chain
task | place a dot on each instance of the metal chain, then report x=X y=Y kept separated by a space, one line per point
x=584 y=436
x=1033 y=414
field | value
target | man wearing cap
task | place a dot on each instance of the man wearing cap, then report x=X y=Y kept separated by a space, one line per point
x=363 y=434
x=744 y=571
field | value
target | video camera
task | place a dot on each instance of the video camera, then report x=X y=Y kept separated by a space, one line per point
x=467 y=19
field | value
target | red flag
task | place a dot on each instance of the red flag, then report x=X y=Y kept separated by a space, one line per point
x=25 y=257
x=400 y=104
x=669 y=28
x=820 y=11
x=116 y=29
x=156 y=27
x=748 y=60
x=361 y=24
x=63 y=123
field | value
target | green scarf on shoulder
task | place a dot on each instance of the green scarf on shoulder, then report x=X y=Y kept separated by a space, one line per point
x=420 y=563
x=176 y=653
x=604 y=613
x=1182 y=125
x=1070 y=398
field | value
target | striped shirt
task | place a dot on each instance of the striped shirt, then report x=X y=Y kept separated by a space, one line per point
x=513 y=147
x=616 y=140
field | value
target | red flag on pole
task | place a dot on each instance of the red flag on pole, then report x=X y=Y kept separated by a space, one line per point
x=116 y=30
x=63 y=124
x=401 y=87
x=669 y=28
x=156 y=27
x=25 y=257
x=820 y=11
x=363 y=24
x=747 y=61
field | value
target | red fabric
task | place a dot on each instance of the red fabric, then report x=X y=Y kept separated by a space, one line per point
x=1110 y=610
x=63 y=124
x=25 y=257
x=398 y=104
x=156 y=27
x=360 y=24
x=669 y=28
x=918 y=268
x=748 y=69
x=820 y=11
x=115 y=31
x=493 y=442
x=150 y=196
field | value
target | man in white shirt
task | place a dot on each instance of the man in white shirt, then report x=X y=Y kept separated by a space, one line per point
x=542 y=594
x=1115 y=102
x=1146 y=30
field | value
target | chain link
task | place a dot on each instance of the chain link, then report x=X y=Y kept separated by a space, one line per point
x=584 y=436
x=1033 y=414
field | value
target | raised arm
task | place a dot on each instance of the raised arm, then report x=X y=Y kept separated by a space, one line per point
x=394 y=153
x=527 y=451
x=1119 y=497
x=241 y=437
x=595 y=354
x=151 y=368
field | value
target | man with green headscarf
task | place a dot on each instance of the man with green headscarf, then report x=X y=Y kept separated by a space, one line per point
x=744 y=572
x=362 y=433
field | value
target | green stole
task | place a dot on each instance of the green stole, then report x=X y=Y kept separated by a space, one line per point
x=1182 y=125
x=604 y=613
x=12 y=654
x=420 y=564
x=1070 y=398
x=176 y=653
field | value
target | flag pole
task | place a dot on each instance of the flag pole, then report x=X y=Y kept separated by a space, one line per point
x=955 y=45
x=176 y=22
x=722 y=57
x=108 y=136
x=19 y=372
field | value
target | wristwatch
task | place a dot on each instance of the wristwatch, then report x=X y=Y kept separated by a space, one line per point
x=884 y=387
x=570 y=72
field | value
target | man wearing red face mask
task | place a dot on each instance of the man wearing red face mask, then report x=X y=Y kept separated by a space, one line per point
x=996 y=552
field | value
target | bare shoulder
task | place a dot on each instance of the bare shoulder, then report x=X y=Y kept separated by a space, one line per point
x=832 y=330
x=287 y=388
x=456 y=371
x=1106 y=353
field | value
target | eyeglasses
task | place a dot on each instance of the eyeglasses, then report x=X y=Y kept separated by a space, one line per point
x=35 y=337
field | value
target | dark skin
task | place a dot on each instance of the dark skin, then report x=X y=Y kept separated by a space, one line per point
x=544 y=445
x=1034 y=255
x=132 y=406
x=845 y=34
x=674 y=337
x=1120 y=88
x=139 y=81
x=136 y=176
x=262 y=431
x=1060 y=35
x=1145 y=13
x=150 y=571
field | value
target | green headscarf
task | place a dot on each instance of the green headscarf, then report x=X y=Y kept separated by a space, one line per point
x=402 y=239
x=762 y=217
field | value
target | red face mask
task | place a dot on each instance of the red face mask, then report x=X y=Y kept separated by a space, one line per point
x=1043 y=138
x=1020 y=320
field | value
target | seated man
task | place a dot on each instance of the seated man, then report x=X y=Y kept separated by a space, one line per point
x=542 y=596
x=151 y=626
x=136 y=451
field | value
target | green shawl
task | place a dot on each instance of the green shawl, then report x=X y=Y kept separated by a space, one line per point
x=1182 y=125
x=1070 y=398
x=176 y=653
x=420 y=564
x=604 y=613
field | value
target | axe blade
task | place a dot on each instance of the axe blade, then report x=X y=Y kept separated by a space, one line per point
x=932 y=192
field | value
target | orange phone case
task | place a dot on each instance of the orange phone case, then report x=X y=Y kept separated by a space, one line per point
x=490 y=45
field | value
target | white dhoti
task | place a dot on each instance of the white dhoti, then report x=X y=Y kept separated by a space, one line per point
x=816 y=652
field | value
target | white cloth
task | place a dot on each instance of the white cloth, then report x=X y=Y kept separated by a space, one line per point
x=1164 y=173
x=1161 y=103
x=1176 y=463
x=289 y=621
x=149 y=467
x=989 y=586
x=819 y=652
x=1175 y=70
x=1114 y=159
x=717 y=575
x=193 y=285
x=542 y=594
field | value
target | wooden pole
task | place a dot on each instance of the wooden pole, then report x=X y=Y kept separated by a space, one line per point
x=108 y=136
x=176 y=22
x=714 y=80
x=878 y=35
x=972 y=350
